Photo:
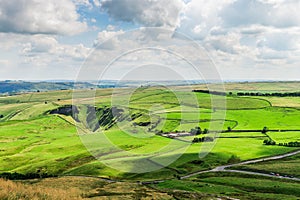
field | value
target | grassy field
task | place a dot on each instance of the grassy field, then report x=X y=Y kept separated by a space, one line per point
x=283 y=86
x=287 y=166
x=284 y=101
x=32 y=141
x=236 y=186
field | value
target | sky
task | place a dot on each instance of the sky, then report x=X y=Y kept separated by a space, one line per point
x=67 y=39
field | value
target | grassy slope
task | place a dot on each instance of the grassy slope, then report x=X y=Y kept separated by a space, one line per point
x=73 y=188
x=50 y=141
x=47 y=143
x=287 y=166
x=237 y=186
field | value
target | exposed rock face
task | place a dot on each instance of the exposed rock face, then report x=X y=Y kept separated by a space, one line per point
x=95 y=117
x=103 y=117
x=68 y=110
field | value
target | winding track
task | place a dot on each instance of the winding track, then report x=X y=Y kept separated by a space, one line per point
x=224 y=167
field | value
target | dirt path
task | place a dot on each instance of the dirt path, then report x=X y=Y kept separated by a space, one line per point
x=224 y=167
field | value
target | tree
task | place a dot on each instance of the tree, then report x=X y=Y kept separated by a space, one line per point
x=1 y=116
x=269 y=142
x=205 y=131
x=264 y=130
x=229 y=129
x=196 y=131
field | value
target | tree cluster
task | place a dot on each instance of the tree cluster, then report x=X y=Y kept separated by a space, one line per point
x=211 y=92
x=290 y=144
x=269 y=142
x=275 y=94
x=203 y=139
x=197 y=131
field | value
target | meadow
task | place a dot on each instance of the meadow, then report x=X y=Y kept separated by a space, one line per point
x=286 y=166
x=237 y=186
x=117 y=146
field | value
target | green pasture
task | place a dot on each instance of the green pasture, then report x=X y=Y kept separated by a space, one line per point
x=285 y=137
x=273 y=118
x=32 y=139
x=286 y=166
x=236 y=186
x=48 y=143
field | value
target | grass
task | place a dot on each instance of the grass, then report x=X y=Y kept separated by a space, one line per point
x=284 y=101
x=285 y=137
x=271 y=86
x=31 y=139
x=15 y=191
x=286 y=166
x=273 y=118
x=73 y=188
x=236 y=186
x=40 y=143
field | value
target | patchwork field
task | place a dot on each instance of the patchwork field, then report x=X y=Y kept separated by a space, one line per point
x=42 y=135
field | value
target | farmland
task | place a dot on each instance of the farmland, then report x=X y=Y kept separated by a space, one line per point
x=126 y=136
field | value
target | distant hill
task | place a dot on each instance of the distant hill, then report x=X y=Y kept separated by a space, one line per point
x=11 y=87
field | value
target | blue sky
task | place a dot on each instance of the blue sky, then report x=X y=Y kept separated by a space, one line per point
x=255 y=39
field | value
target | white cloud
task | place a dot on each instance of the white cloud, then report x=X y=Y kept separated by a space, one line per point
x=110 y=27
x=40 y=57
x=107 y=39
x=267 y=13
x=241 y=36
x=83 y=3
x=37 y=16
x=96 y=3
x=145 y=12
x=229 y=43
x=200 y=16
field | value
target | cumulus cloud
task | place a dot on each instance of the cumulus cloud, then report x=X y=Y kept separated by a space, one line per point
x=229 y=43
x=107 y=39
x=37 y=16
x=200 y=17
x=145 y=12
x=264 y=12
x=240 y=36
x=203 y=18
x=42 y=50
